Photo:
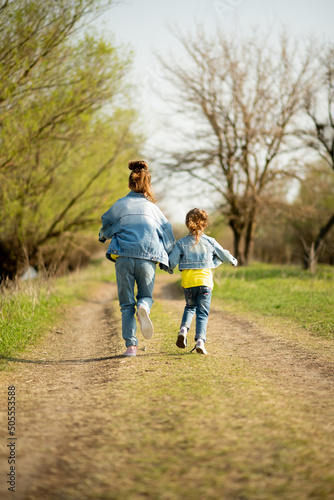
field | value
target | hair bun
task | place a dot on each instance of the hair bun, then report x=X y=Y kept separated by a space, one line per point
x=138 y=165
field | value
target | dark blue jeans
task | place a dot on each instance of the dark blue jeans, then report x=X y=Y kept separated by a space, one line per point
x=198 y=300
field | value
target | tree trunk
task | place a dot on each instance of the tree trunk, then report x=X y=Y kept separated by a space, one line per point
x=236 y=242
x=311 y=257
x=323 y=232
x=249 y=239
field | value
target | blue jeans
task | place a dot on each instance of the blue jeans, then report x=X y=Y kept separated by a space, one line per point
x=128 y=272
x=198 y=300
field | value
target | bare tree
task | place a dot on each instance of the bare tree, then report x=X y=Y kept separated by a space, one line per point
x=242 y=97
x=319 y=106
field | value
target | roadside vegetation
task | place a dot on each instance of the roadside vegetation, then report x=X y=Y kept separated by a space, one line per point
x=30 y=309
x=282 y=291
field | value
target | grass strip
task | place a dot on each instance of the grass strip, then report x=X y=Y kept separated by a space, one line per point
x=281 y=291
x=30 y=309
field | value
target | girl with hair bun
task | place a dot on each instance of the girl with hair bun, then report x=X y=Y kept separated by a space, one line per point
x=140 y=237
x=140 y=179
x=196 y=254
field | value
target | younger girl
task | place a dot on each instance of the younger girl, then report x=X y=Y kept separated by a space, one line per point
x=196 y=255
x=140 y=237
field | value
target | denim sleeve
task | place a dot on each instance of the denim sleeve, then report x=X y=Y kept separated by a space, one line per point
x=104 y=233
x=102 y=238
x=174 y=256
x=165 y=268
x=224 y=255
x=168 y=238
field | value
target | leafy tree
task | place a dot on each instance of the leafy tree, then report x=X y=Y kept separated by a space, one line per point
x=66 y=123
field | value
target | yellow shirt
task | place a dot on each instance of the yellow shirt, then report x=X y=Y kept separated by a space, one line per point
x=196 y=277
x=114 y=256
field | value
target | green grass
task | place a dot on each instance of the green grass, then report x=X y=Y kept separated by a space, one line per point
x=30 y=309
x=281 y=291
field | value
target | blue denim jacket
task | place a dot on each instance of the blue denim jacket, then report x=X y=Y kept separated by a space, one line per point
x=206 y=254
x=137 y=228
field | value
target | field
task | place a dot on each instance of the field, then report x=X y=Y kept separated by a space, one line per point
x=281 y=291
x=253 y=420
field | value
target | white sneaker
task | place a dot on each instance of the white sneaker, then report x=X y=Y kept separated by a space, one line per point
x=182 y=338
x=200 y=347
x=131 y=351
x=146 y=325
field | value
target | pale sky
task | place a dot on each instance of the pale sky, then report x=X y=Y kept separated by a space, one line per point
x=143 y=25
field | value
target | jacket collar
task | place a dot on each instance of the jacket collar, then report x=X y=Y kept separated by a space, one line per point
x=136 y=195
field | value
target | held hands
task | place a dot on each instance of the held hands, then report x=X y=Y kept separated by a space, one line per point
x=165 y=268
x=102 y=238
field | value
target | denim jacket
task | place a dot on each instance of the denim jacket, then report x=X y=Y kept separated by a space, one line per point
x=206 y=254
x=137 y=228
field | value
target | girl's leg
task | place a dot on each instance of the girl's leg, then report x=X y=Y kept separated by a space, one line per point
x=125 y=285
x=190 y=308
x=203 y=302
x=145 y=277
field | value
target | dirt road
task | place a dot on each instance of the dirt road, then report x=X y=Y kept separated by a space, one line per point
x=63 y=386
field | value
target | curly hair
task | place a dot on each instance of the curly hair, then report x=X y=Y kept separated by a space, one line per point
x=196 y=222
x=140 y=179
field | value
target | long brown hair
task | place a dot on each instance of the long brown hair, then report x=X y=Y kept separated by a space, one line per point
x=140 y=179
x=196 y=222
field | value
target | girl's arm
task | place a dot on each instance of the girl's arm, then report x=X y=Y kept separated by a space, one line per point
x=168 y=238
x=105 y=231
x=168 y=241
x=174 y=256
x=224 y=255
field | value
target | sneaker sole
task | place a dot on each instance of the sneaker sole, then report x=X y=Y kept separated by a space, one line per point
x=129 y=355
x=181 y=342
x=146 y=325
x=201 y=350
